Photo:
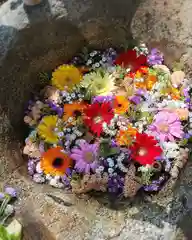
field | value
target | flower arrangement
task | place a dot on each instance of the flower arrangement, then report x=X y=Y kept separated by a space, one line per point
x=108 y=121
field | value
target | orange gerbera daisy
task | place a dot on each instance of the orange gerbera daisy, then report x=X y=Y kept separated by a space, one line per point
x=55 y=162
x=120 y=105
x=125 y=137
x=74 y=110
x=144 y=78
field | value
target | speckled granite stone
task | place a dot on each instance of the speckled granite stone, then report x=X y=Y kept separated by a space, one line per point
x=36 y=39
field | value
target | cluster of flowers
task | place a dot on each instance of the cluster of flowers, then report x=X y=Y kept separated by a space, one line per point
x=110 y=122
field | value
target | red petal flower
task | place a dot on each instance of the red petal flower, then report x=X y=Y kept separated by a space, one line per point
x=96 y=114
x=144 y=149
x=131 y=60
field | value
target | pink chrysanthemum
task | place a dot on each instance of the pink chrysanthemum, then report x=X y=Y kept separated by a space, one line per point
x=167 y=126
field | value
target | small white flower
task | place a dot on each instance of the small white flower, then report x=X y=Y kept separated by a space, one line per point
x=110 y=170
x=97 y=65
x=101 y=168
x=68 y=99
x=89 y=62
x=68 y=129
x=38 y=168
x=73 y=95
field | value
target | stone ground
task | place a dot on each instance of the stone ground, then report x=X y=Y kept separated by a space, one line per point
x=65 y=26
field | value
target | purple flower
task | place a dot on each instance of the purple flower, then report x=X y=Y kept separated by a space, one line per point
x=167 y=126
x=2 y=195
x=11 y=191
x=31 y=167
x=55 y=108
x=86 y=157
x=155 y=57
x=135 y=99
x=155 y=185
x=102 y=99
x=116 y=184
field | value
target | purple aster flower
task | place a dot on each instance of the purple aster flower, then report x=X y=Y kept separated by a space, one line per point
x=166 y=126
x=55 y=108
x=11 y=191
x=155 y=57
x=156 y=185
x=135 y=99
x=102 y=99
x=140 y=92
x=2 y=195
x=86 y=157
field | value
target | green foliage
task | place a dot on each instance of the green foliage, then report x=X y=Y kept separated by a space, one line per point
x=106 y=150
x=12 y=232
x=183 y=142
x=178 y=66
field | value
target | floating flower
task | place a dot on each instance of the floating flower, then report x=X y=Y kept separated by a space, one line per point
x=46 y=129
x=155 y=57
x=98 y=83
x=145 y=149
x=144 y=79
x=126 y=137
x=97 y=114
x=86 y=157
x=120 y=105
x=74 y=111
x=55 y=162
x=130 y=60
x=65 y=77
x=167 y=126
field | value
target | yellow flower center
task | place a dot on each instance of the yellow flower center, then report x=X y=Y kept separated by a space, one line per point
x=89 y=156
x=98 y=119
x=142 y=151
x=164 y=127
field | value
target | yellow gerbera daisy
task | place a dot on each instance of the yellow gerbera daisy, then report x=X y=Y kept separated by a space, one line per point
x=46 y=129
x=65 y=77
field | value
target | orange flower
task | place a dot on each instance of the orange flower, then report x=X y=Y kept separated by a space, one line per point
x=125 y=137
x=74 y=110
x=144 y=79
x=55 y=162
x=121 y=104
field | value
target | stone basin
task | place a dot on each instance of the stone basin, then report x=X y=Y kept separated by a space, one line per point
x=39 y=38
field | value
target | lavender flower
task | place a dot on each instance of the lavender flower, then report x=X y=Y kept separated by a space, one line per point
x=155 y=57
x=135 y=99
x=56 y=108
x=86 y=157
x=155 y=185
x=11 y=191
x=116 y=184
x=101 y=99
x=31 y=167
x=2 y=195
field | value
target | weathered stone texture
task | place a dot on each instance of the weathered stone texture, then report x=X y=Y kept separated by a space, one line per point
x=39 y=38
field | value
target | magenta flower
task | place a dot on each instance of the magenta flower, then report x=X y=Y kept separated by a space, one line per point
x=167 y=126
x=86 y=157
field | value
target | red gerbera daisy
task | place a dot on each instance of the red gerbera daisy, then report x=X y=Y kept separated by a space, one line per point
x=144 y=150
x=96 y=114
x=131 y=60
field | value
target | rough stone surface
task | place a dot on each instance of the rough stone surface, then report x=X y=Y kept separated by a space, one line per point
x=36 y=39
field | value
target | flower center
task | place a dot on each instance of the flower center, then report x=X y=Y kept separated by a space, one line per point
x=98 y=119
x=142 y=151
x=77 y=113
x=89 y=157
x=68 y=79
x=57 y=163
x=164 y=127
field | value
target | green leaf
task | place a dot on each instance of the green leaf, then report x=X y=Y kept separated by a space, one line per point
x=183 y=142
x=44 y=78
x=4 y=234
x=14 y=230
